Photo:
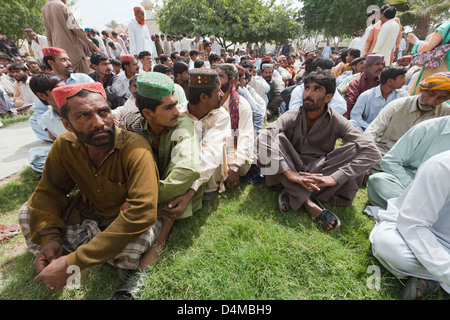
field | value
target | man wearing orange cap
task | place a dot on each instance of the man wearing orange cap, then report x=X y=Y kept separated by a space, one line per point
x=62 y=31
x=139 y=35
x=112 y=217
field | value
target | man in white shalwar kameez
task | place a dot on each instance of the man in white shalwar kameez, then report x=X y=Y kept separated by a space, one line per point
x=387 y=37
x=139 y=35
x=412 y=236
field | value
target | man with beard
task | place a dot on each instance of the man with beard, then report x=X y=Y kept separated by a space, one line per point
x=240 y=149
x=213 y=128
x=23 y=96
x=298 y=154
x=139 y=35
x=396 y=118
x=112 y=215
x=274 y=95
x=60 y=63
x=102 y=73
x=368 y=79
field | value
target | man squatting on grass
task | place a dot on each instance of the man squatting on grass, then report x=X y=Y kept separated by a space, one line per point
x=114 y=169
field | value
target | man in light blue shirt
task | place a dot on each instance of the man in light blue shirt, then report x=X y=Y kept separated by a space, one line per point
x=370 y=102
x=400 y=164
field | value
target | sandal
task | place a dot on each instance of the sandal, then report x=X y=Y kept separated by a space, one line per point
x=326 y=217
x=129 y=289
x=413 y=283
x=283 y=201
x=9 y=231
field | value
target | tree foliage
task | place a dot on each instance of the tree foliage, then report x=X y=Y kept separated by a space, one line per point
x=335 y=18
x=422 y=14
x=229 y=20
x=18 y=15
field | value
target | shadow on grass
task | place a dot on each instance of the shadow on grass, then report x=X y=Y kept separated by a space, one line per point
x=17 y=281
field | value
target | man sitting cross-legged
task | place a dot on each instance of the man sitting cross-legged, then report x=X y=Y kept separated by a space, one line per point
x=112 y=215
x=297 y=153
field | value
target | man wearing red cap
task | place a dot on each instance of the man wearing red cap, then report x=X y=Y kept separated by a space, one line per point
x=130 y=68
x=63 y=31
x=60 y=63
x=112 y=215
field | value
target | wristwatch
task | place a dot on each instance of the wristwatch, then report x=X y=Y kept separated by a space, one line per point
x=234 y=169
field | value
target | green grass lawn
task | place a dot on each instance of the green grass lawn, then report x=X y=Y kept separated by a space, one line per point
x=240 y=247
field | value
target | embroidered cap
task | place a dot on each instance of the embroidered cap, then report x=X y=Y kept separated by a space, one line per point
x=52 y=51
x=203 y=78
x=154 y=85
x=126 y=57
x=61 y=94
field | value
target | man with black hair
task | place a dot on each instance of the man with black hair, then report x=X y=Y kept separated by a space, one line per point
x=338 y=103
x=175 y=145
x=370 y=102
x=38 y=42
x=387 y=38
x=145 y=58
x=42 y=85
x=164 y=59
x=116 y=65
x=193 y=55
x=181 y=75
x=240 y=151
x=298 y=154
x=102 y=73
x=213 y=127
x=130 y=67
x=60 y=63
x=112 y=217
x=23 y=96
x=213 y=58
x=8 y=46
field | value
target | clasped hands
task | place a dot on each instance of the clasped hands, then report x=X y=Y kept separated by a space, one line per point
x=310 y=181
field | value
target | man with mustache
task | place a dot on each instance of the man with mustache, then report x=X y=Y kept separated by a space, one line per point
x=114 y=169
x=102 y=73
x=213 y=128
x=368 y=79
x=57 y=60
x=241 y=149
x=398 y=121
x=297 y=154
x=396 y=118
x=23 y=96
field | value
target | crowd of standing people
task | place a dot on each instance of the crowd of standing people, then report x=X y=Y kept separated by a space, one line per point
x=151 y=128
